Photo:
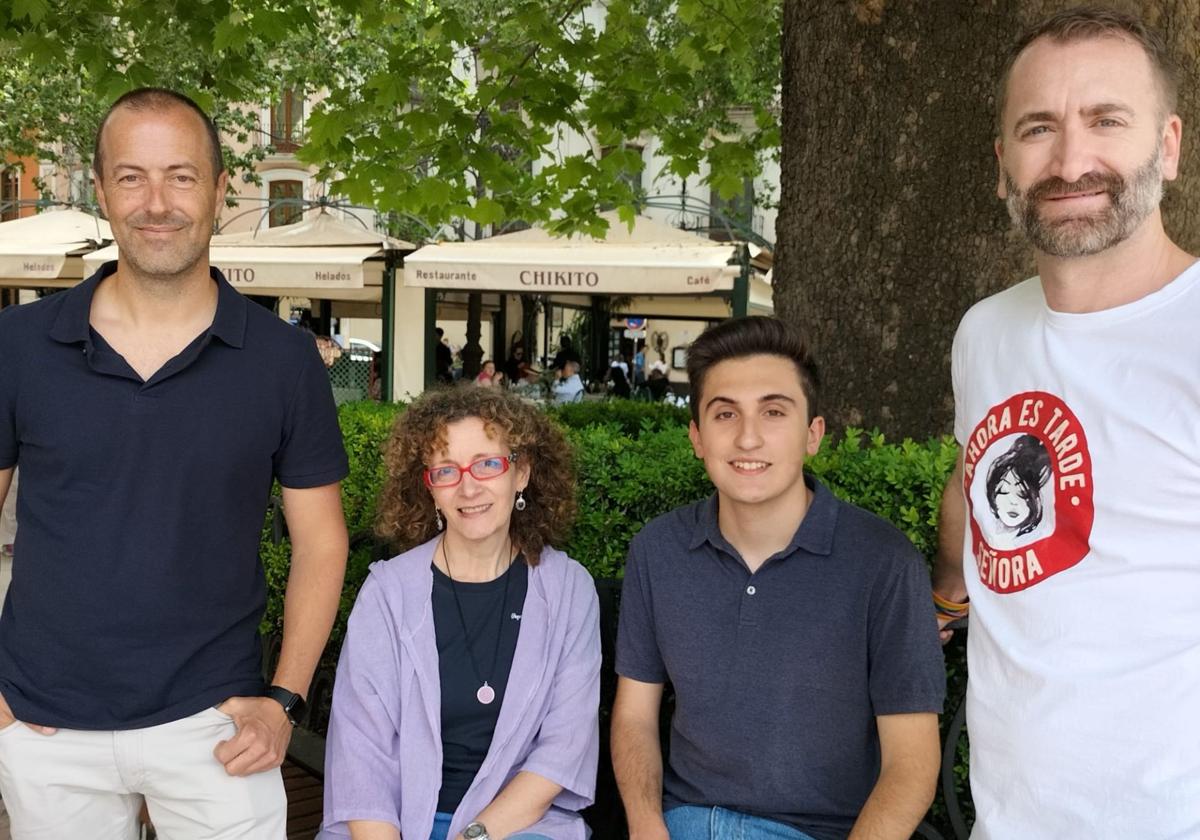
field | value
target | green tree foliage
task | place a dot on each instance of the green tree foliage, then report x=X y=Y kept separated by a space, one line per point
x=442 y=110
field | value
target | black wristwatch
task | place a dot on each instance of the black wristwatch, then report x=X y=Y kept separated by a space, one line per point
x=476 y=831
x=293 y=704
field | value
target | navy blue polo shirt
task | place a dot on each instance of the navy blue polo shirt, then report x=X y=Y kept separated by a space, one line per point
x=778 y=675
x=137 y=589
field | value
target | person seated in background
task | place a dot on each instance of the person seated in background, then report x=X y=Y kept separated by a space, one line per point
x=657 y=383
x=618 y=379
x=566 y=353
x=516 y=368
x=568 y=387
x=498 y=380
x=480 y=487
x=443 y=357
x=487 y=374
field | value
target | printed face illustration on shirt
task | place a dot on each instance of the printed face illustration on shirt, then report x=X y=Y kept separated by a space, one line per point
x=1028 y=482
x=1010 y=502
x=1014 y=485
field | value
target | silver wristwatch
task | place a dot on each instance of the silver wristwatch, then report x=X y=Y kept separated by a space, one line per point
x=476 y=831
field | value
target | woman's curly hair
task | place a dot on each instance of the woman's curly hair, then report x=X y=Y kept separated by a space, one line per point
x=406 y=515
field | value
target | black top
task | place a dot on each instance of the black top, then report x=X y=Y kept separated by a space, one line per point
x=566 y=354
x=779 y=675
x=512 y=368
x=137 y=587
x=443 y=359
x=467 y=724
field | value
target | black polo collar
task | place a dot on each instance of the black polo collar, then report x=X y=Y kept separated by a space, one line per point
x=72 y=324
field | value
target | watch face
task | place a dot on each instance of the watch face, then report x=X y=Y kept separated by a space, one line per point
x=296 y=709
x=474 y=831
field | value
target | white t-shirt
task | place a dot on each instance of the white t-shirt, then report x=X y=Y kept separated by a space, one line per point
x=566 y=390
x=1081 y=436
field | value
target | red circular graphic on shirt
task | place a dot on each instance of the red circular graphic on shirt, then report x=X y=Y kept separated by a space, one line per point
x=1027 y=476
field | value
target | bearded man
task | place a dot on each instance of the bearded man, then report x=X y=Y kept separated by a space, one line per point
x=1084 y=649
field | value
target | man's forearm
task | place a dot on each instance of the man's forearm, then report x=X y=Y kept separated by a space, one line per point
x=948 y=580
x=637 y=764
x=896 y=805
x=314 y=590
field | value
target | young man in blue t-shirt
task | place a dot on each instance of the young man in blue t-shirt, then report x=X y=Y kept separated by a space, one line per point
x=795 y=629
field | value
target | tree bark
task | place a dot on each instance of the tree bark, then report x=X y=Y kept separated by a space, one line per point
x=889 y=227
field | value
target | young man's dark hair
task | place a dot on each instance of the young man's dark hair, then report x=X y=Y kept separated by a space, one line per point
x=160 y=99
x=1085 y=22
x=738 y=338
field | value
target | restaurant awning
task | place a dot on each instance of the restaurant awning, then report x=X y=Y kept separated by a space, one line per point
x=321 y=257
x=652 y=259
x=762 y=294
x=44 y=250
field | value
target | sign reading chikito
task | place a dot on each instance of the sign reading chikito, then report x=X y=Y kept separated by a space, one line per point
x=307 y=277
x=625 y=274
x=589 y=279
x=239 y=275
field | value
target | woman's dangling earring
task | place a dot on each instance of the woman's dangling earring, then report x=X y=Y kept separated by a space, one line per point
x=521 y=503
x=437 y=513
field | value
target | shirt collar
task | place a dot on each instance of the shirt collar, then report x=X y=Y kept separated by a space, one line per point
x=72 y=324
x=815 y=534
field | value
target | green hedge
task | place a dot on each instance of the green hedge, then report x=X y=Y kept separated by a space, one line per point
x=630 y=416
x=635 y=463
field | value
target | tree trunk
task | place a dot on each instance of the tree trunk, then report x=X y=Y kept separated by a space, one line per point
x=889 y=226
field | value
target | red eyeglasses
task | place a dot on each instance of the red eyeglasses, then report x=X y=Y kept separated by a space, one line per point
x=451 y=475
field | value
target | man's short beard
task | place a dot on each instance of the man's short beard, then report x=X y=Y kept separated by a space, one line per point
x=1131 y=202
x=165 y=264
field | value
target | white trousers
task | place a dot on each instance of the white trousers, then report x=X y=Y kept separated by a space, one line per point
x=77 y=785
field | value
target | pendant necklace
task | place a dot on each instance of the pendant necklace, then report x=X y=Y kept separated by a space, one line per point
x=485 y=694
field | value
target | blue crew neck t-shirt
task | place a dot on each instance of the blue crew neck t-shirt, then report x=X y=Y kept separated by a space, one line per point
x=137 y=588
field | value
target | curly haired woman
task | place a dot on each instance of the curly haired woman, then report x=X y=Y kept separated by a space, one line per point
x=467 y=691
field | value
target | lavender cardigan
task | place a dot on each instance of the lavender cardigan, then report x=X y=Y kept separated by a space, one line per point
x=383 y=756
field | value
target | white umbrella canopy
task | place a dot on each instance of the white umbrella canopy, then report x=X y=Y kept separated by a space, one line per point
x=762 y=294
x=44 y=250
x=652 y=258
x=320 y=257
